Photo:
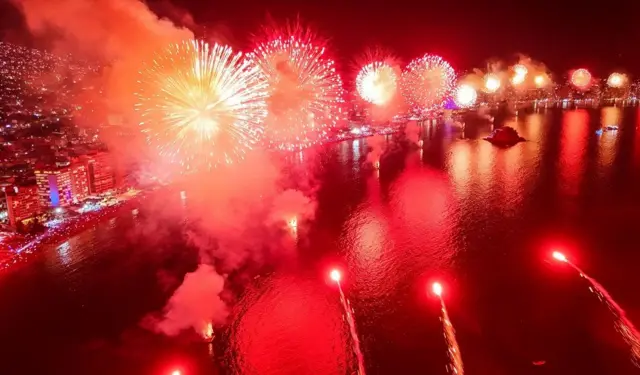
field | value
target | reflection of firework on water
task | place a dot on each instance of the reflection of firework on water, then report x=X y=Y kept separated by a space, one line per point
x=622 y=324
x=465 y=95
x=427 y=82
x=491 y=83
x=305 y=91
x=449 y=334
x=377 y=83
x=201 y=105
x=617 y=80
x=581 y=78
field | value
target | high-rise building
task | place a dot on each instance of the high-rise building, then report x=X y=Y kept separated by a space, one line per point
x=101 y=172
x=54 y=187
x=79 y=181
x=23 y=202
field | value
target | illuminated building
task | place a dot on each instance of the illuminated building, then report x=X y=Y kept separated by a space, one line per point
x=22 y=203
x=54 y=187
x=100 y=172
x=79 y=181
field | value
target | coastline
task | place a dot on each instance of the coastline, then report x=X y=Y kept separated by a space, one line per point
x=24 y=249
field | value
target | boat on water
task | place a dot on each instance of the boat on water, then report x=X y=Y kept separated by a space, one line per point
x=608 y=128
x=504 y=137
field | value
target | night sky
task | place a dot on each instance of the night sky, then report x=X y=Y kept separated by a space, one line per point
x=563 y=34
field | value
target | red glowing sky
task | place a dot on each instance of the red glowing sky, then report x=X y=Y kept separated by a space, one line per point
x=563 y=35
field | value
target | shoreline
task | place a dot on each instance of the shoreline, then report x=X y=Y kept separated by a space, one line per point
x=28 y=247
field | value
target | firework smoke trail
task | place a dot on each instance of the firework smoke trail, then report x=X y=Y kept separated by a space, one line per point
x=202 y=105
x=623 y=325
x=449 y=335
x=427 y=82
x=305 y=91
x=348 y=312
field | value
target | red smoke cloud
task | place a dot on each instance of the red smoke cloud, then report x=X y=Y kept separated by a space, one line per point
x=236 y=215
x=378 y=144
x=117 y=33
x=195 y=303
x=412 y=132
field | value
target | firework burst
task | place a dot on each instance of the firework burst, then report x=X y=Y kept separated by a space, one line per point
x=581 y=79
x=201 y=105
x=305 y=91
x=617 y=80
x=492 y=82
x=377 y=83
x=519 y=74
x=427 y=82
x=466 y=95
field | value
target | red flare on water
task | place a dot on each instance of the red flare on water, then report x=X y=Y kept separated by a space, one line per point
x=559 y=256
x=335 y=275
x=437 y=289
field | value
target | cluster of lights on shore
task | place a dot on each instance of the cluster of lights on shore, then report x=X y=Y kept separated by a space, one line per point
x=580 y=79
x=622 y=324
x=426 y=82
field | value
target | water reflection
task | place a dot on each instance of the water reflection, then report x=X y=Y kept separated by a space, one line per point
x=460 y=212
x=368 y=243
x=63 y=252
x=460 y=168
x=610 y=116
x=573 y=150
x=421 y=203
x=290 y=325
x=355 y=148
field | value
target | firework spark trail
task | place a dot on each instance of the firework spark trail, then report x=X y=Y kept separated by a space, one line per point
x=622 y=324
x=348 y=312
x=305 y=91
x=202 y=105
x=452 y=343
x=453 y=350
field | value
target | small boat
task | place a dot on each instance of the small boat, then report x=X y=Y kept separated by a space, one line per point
x=608 y=128
x=504 y=137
